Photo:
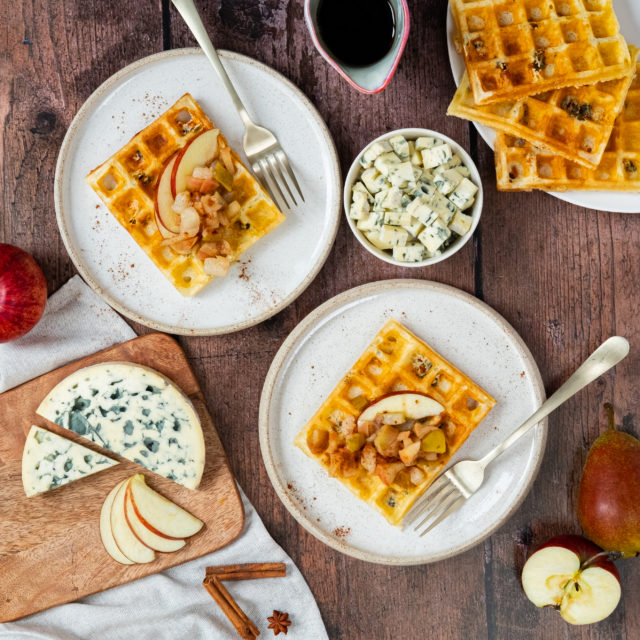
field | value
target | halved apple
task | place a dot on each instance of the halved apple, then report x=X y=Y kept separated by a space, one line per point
x=198 y=153
x=159 y=515
x=124 y=537
x=145 y=535
x=167 y=219
x=410 y=404
x=105 y=528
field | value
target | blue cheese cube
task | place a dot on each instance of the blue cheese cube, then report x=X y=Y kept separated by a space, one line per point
x=374 y=238
x=425 y=142
x=414 y=156
x=373 y=180
x=447 y=181
x=373 y=151
x=461 y=223
x=464 y=194
x=401 y=175
x=358 y=186
x=454 y=163
x=392 y=198
x=414 y=227
x=421 y=209
x=393 y=235
x=434 y=236
x=385 y=162
x=359 y=206
x=400 y=146
x=368 y=223
x=414 y=252
x=398 y=217
x=436 y=156
x=443 y=207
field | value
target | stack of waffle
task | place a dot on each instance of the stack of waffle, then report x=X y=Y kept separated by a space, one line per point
x=558 y=83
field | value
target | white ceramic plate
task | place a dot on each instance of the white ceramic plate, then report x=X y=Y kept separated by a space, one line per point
x=628 y=13
x=275 y=270
x=326 y=344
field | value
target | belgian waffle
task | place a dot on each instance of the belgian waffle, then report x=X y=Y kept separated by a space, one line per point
x=127 y=182
x=517 y=48
x=397 y=360
x=575 y=122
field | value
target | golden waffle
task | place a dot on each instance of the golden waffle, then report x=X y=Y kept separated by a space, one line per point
x=397 y=360
x=517 y=48
x=575 y=122
x=127 y=182
x=523 y=166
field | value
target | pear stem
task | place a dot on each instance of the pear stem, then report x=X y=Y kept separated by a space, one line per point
x=611 y=416
x=612 y=556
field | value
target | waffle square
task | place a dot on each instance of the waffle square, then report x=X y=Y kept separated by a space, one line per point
x=521 y=165
x=517 y=48
x=127 y=182
x=396 y=360
x=575 y=122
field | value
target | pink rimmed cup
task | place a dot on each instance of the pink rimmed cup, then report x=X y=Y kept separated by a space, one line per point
x=374 y=77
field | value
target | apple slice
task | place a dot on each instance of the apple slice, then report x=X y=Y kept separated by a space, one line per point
x=198 y=153
x=145 y=535
x=124 y=537
x=410 y=404
x=167 y=219
x=573 y=575
x=105 y=528
x=161 y=516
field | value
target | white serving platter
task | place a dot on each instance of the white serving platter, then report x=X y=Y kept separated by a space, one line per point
x=628 y=13
x=275 y=270
x=323 y=347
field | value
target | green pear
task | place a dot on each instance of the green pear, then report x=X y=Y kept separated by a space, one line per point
x=609 y=494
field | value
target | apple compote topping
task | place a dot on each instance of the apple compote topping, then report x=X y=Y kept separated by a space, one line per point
x=386 y=446
x=205 y=209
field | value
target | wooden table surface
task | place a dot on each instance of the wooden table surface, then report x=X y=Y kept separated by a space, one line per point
x=565 y=277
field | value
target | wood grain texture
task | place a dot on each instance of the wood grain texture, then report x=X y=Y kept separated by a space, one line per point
x=565 y=277
x=59 y=530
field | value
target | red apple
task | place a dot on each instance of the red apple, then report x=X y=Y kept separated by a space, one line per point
x=167 y=219
x=575 y=576
x=409 y=405
x=23 y=292
x=198 y=153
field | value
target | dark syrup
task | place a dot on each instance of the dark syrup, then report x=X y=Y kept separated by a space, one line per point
x=357 y=32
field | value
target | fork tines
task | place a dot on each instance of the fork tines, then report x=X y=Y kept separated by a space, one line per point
x=271 y=169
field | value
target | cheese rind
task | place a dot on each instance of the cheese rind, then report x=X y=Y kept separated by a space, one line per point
x=50 y=461
x=135 y=412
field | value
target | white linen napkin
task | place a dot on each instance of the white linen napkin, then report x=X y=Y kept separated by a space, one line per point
x=172 y=604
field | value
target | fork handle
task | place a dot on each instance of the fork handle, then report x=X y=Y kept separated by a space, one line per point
x=607 y=355
x=191 y=16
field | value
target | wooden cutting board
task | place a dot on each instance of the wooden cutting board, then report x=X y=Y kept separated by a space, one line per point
x=50 y=547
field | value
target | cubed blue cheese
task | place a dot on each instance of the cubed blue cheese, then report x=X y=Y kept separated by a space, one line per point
x=359 y=186
x=426 y=142
x=374 y=238
x=392 y=199
x=135 y=412
x=443 y=207
x=393 y=235
x=386 y=162
x=436 y=155
x=447 y=181
x=50 y=461
x=398 y=217
x=414 y=252
x=461 y=223
x=373 y=151
x=373 y=180
x=367 y=223
x=434 y=235
x=463 y=195
x=421 y=209
x=454 y=163
x=400 y=146
x=414 y=156
x=401 y=175
x=414 y=227
x=359 y=206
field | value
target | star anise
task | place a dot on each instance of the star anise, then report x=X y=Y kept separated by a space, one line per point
x=279 y=622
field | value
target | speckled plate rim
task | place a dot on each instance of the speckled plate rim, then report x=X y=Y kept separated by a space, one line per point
x=333 y=208
x=315 y=318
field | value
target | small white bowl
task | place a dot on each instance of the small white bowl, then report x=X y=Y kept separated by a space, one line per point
x=411 y=134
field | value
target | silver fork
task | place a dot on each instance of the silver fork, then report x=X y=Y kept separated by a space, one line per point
x=460 y=482
x=268 y=161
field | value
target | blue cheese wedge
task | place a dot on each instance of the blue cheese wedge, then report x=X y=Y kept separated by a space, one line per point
x=50 y=461
x=409 y=198
x=135 y=412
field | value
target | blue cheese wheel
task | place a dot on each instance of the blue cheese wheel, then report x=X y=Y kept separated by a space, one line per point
x=50 y=461
x=135 y=412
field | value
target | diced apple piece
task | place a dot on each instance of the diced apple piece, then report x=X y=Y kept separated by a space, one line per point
x=159 y=514
x=434 y=442
x=146 y=536
x=356 y=441
x=198 y=153
x=167 y=219
x=105 y=528
x=412 y=405
x=386 y=440
x=124 y=537
x=387 y=471
x=223 y=176
x=409 y=454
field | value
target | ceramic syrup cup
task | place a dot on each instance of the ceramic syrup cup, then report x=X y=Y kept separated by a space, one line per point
x=374 y=77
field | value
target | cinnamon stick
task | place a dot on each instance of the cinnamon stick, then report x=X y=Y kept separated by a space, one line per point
x=248 y=571
x=245 y=628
